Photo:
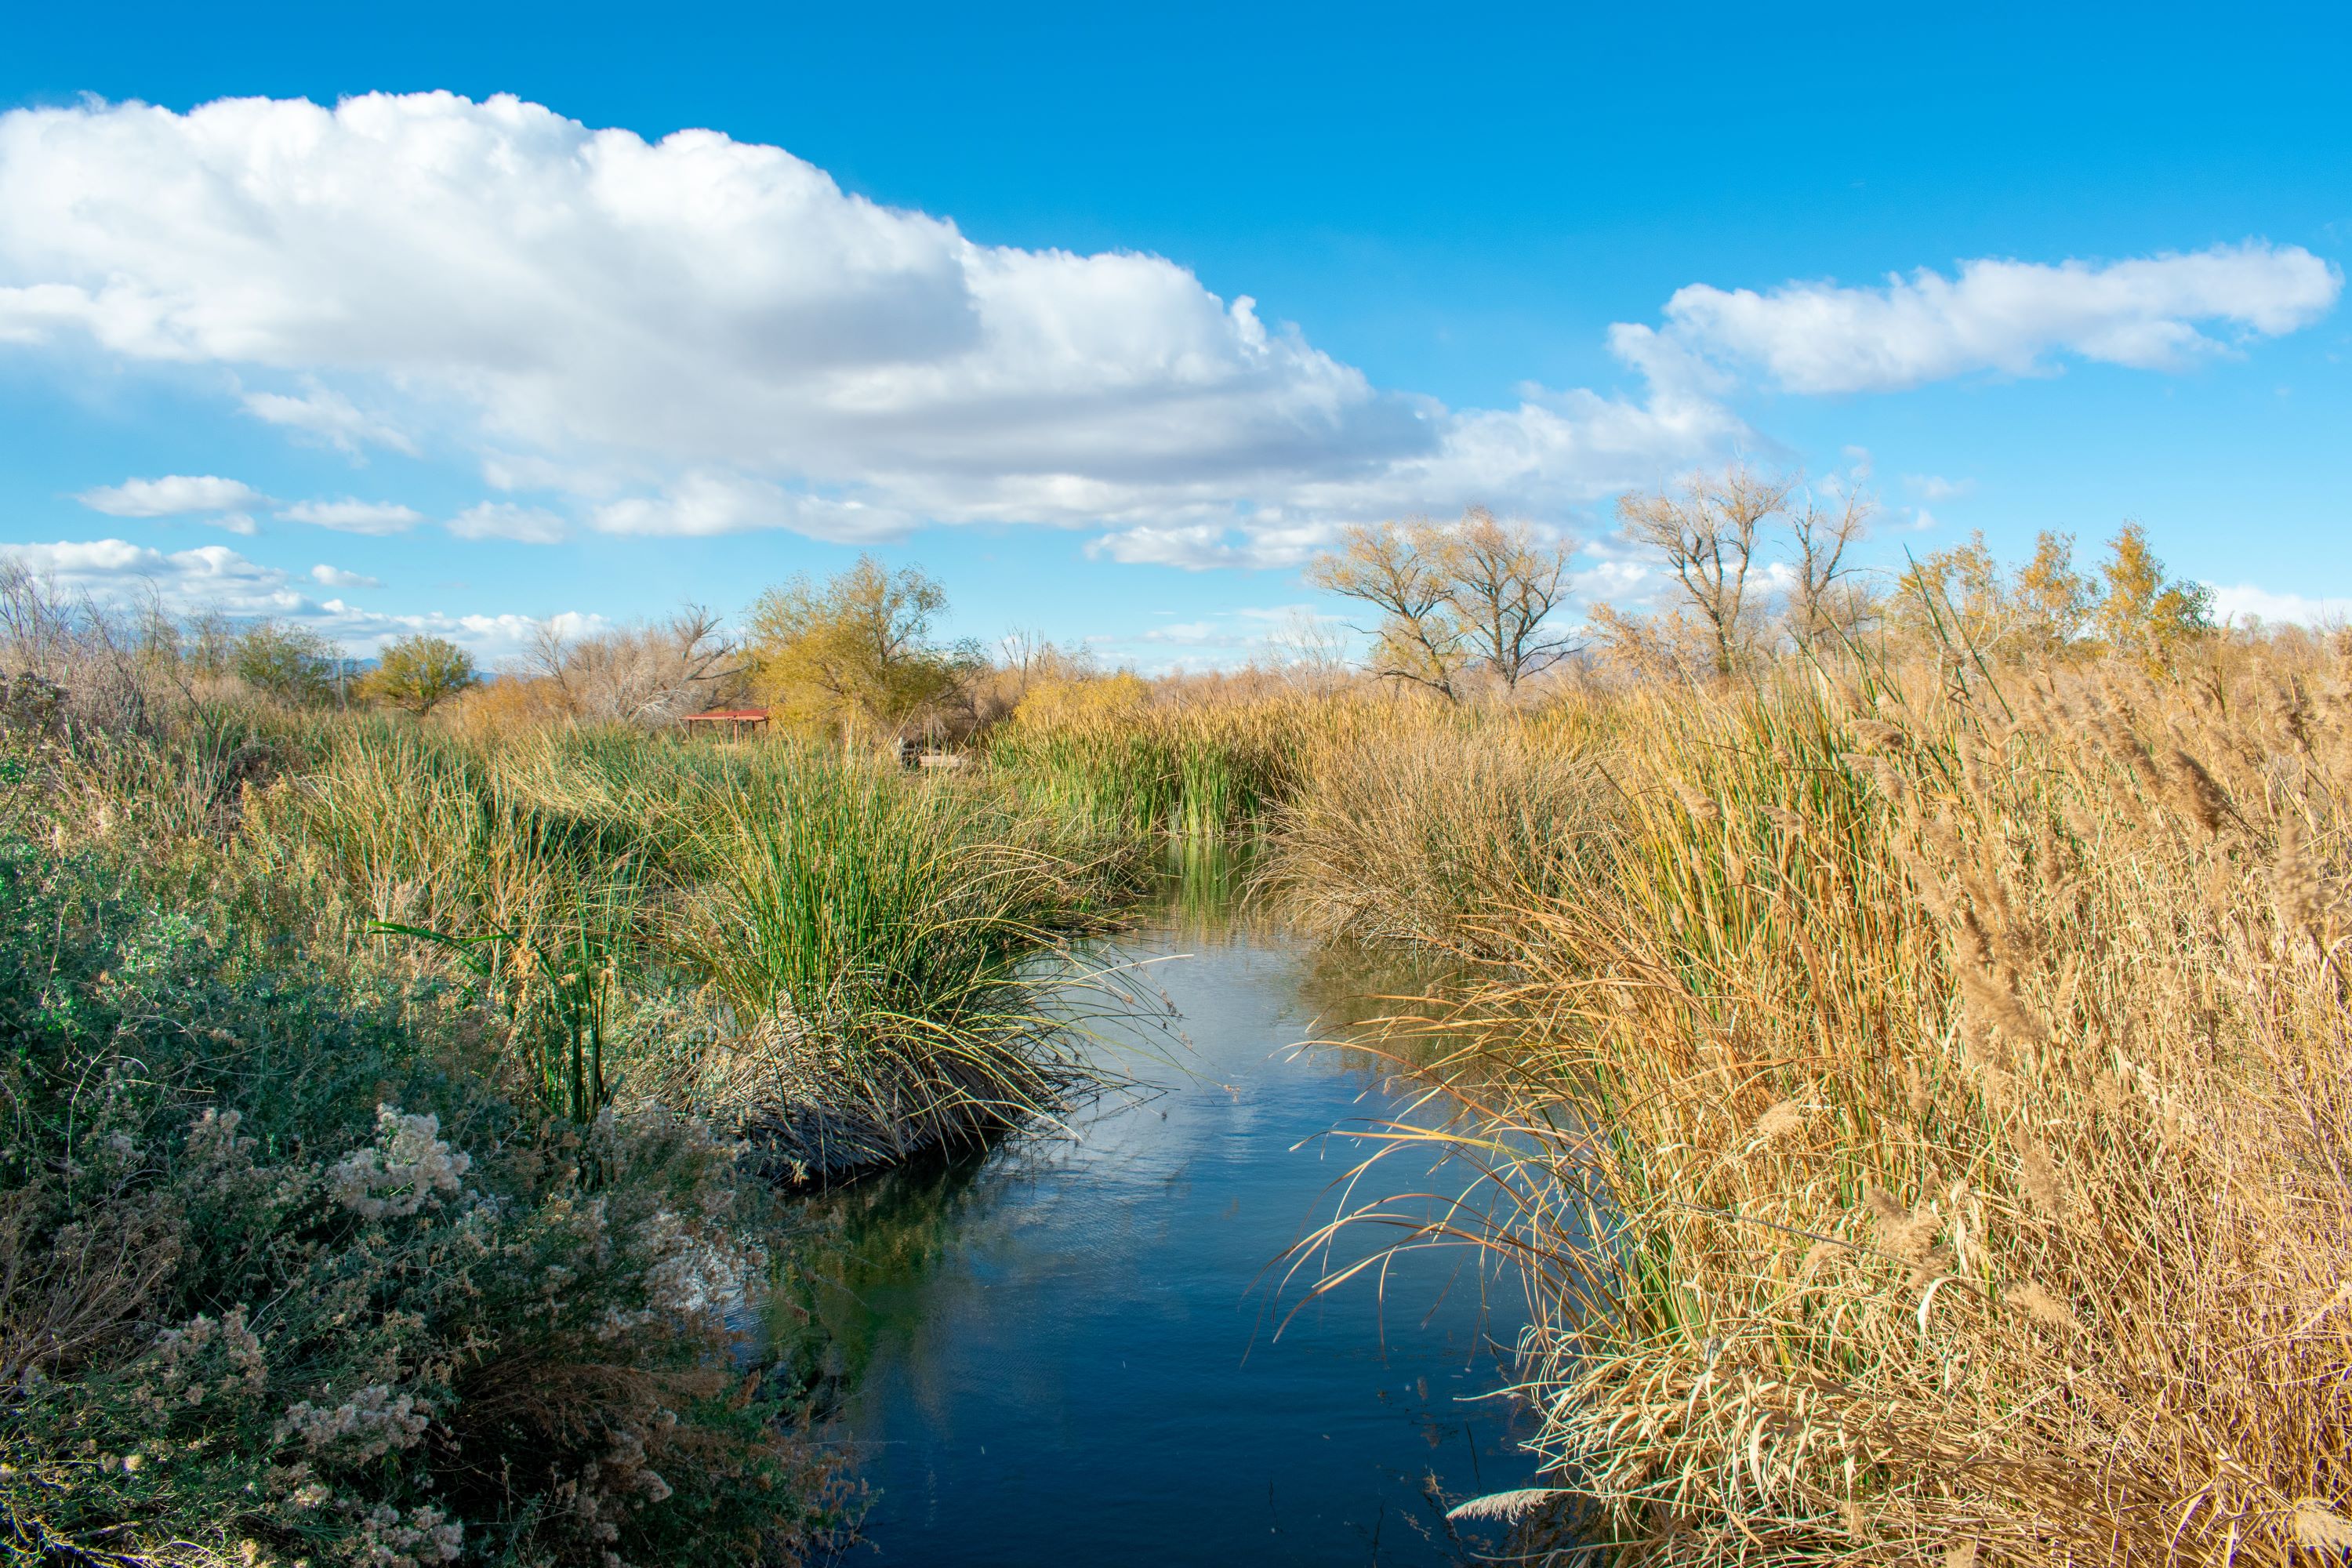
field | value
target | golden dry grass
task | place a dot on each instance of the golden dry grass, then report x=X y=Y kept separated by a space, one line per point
x=1924 y=1130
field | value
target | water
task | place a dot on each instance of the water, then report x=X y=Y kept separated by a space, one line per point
x=1067 y=1351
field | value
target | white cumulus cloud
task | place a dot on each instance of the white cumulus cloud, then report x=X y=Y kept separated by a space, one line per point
x=700 y=335
x=210 y=577
x=171 y=496
x=336 y=577
x=2244 y=602
x=355 y=516
x=2012 y=317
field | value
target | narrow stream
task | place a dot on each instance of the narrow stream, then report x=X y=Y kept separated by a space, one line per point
x=1067 y=1351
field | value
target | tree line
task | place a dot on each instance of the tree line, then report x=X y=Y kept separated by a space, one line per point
x=1756 y=565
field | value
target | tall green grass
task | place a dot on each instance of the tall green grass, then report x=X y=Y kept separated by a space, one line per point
x=873 y=938
x=828 y=952
x=1122 y=765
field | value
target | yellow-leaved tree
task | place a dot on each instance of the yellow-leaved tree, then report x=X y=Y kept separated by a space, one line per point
x=420 y=673
x=856 y=653
x=2143 y=616
x=1963 y=595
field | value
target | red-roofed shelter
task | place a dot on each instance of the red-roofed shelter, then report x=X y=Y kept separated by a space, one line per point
x=736 y=719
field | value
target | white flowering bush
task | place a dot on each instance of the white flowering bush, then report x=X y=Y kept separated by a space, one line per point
x=406 y=1169
x=287 y=1282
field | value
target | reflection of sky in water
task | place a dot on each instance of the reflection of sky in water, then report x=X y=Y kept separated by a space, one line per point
x=1067 y=1353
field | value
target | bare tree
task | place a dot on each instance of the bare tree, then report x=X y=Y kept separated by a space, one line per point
x=1506 y=584
x=1027 y=657
x=1405 y=571
x=649 y=674
x=77 y=647
x=1822 y=535
x=1306 y=651
x=1707 y=533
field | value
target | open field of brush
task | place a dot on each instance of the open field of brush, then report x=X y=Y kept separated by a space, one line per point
x=1917 y=1093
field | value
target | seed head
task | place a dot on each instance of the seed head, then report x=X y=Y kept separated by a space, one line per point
x=2205 y=800
x=2042 y=1179
x=1700 y=804
x=2321 y=1527
x=2042 y=1307
x=1998 y=1002
x=2294 y=880
x=1903 y=1232
x=1878 y=735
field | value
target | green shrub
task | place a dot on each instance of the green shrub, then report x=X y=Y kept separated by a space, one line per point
x=285 y=1282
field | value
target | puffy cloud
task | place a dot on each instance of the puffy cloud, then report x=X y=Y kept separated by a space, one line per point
x=214 y=577
x=336 y=577
x=171 y=496
x=330 y=417
x=701 y=335
x=355 y=516
x=505 y=520
x=209 y=576
x=2007 y=316
x=2243 y=601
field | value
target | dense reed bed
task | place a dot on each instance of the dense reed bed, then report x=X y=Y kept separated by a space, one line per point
x=1110 y=753
x=1913 y=1092
x=1919 y=1113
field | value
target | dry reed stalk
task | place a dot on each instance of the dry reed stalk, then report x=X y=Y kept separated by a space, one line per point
x=2104 y=1326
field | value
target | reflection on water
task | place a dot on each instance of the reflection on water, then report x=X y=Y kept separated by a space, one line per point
x=1066 y=1350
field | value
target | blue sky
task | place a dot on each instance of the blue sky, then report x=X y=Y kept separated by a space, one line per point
x=473 y=363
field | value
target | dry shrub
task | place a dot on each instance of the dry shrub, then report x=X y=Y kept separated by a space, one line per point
x=1929 y=1134
x=1417 y=827
x=504 y=705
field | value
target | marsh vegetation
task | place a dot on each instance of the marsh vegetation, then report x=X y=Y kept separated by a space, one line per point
x=1894 y=1046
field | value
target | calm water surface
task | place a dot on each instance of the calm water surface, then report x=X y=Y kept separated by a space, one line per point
x=1067 y=1351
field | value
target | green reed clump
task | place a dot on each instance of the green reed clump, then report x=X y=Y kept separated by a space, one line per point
x=828 y=953
x=1100 y=752
x=875 y=941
